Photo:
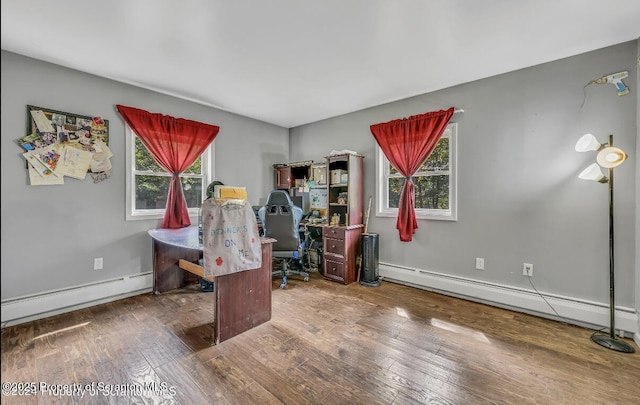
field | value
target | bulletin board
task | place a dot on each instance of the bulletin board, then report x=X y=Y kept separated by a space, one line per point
x=61 y=145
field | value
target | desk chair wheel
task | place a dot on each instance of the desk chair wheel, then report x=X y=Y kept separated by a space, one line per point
x=283 y=286
x=306 y=279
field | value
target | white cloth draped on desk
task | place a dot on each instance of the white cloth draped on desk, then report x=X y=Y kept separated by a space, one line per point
x=231 y=241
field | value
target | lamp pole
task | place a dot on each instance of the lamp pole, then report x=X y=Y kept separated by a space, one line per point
x=610 y=341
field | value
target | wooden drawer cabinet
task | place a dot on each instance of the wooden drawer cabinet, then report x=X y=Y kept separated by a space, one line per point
x=340 y=245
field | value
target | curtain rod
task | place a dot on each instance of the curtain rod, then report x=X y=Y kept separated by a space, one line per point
x=459 y=110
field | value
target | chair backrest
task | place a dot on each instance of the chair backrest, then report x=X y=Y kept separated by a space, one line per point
x=280 y=222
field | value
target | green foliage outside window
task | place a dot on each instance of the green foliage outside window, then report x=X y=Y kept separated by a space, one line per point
x=430 y=183
x=152 y=182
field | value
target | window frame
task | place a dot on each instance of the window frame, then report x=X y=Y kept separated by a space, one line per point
x=133 y=214
x=382 y=183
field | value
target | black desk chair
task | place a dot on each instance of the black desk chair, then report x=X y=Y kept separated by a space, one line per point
x=281 y=221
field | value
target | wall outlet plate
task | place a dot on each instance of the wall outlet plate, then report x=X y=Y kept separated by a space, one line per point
x=479 y=263
x=527 y=269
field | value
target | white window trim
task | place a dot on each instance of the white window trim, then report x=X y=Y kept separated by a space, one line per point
x=132 y=213
x=382 y=195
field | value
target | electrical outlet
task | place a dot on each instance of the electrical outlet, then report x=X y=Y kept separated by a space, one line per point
x=479 y=263
x=98 y=263
x=527 y=269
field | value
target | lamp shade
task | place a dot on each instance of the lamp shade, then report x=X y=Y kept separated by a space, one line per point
x=587 y=142
x=611 y=157
x=593 y=172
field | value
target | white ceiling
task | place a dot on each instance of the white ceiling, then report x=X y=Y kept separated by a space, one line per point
x=293 y=62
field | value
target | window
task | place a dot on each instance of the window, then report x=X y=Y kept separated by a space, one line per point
x=148 y=184
x=435 y=182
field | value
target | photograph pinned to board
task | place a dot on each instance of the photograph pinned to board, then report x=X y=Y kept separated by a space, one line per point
x=38 y=179
x=101 y=162
x=36 y=166
x=48 y=155
x=31 y=142
x=60 y=144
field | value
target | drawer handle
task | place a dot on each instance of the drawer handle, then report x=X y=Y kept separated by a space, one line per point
x=333 y=246
x=334 y=269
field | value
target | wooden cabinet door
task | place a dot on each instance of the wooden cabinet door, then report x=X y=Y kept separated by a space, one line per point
x=283 y=177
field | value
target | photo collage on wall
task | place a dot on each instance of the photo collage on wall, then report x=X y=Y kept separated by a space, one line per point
x=60 y=144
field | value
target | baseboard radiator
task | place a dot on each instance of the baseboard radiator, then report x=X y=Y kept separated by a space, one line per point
x=593 y=315
x=28 y=308
x=580 y=312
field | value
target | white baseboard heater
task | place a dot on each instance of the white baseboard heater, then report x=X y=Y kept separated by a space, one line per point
x=28 y=308
x=580 y=312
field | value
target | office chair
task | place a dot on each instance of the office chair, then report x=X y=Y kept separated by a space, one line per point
x=281 y=220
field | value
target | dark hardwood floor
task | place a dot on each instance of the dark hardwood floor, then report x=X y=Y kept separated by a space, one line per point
x=326 y=344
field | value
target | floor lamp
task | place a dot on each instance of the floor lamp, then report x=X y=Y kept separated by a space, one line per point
x=608 y=157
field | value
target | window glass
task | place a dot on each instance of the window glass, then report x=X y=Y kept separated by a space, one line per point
x=434 y=182
x=148 y=183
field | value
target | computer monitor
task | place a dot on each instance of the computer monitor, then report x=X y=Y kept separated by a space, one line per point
x=297 y=201
x=301 y=199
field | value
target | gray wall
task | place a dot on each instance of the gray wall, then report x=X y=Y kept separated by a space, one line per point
x=519 y=198
x=50 y=234
x=637 y=280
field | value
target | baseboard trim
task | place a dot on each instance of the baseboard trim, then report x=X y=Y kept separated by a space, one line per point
x=28 y=308
x=580 y=312
x=593 y=315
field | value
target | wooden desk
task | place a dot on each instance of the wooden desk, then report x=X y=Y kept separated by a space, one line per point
x=242 y=300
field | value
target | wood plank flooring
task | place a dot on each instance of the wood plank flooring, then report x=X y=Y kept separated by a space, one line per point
x=326 y=344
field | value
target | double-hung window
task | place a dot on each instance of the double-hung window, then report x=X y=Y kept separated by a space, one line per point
x=434 y=182
x=148 y=183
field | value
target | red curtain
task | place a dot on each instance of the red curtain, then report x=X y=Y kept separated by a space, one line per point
x=174 y=143
x=407 y=143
